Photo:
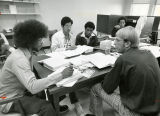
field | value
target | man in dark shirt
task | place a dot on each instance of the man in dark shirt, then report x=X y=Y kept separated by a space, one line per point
x=87 y=37
x=132 y=87
x=121 y=23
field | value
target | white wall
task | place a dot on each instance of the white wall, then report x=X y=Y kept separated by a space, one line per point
x=80 y=11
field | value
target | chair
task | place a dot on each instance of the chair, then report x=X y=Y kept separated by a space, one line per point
x=47 y=41
x=4 y=101
x=2 y=58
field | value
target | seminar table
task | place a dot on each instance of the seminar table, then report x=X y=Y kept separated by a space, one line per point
x=55 y=92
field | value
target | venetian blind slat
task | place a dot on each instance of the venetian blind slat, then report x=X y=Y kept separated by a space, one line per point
x=141 y=1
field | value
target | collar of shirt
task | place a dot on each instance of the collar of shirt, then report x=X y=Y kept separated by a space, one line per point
x=70 y=34
x=26 y=53
x=83 y=35
x=29 y=56
x=87 y=39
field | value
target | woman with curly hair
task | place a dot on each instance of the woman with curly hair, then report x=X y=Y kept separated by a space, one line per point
x=17 y=74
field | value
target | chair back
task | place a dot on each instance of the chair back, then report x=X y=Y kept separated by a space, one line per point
x=47 y=41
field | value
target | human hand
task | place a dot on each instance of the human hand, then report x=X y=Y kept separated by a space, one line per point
x=72 y=48
x=117 y=26
x=67 y=71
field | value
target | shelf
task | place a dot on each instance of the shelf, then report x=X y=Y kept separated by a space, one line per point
x=8 y=34
x=30 y=2
x=20 y=14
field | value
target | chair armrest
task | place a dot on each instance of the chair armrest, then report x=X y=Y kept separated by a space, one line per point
x=7 y=100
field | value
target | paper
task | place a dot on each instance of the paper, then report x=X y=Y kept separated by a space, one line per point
x=13 y=9
x=105 y=44
x=79 y=60
x=88 y=73
x=143 y=44
x=70 y=81
x=155 y=50
x=79 y=50
x=101 y=60
x=69 y=53
x=56 y=55
x=55 y=63
x=56 y=72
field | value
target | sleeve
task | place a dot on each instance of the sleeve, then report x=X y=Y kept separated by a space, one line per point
x=112 y=79
x=114 y=31
x=54 y=42
x=4 y=38
x=78 y=40
x=28 y=79
x=4 y=49
x=96 y=41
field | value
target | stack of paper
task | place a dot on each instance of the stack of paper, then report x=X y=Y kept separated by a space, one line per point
x=55 y=63
x=56 y=55
x=79 y=50
x=101 y=60
x=154 y=49
x=79 y=60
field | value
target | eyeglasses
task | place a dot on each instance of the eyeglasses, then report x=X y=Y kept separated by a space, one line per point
x=118 y=39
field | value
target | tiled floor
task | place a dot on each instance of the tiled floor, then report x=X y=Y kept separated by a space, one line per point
x=83 y=96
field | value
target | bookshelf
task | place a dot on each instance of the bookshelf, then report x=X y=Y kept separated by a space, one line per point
x=21 y=1
x=19 y=7
x=14 y=11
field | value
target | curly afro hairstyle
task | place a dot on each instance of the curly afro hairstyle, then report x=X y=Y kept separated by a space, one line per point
x=28 y=32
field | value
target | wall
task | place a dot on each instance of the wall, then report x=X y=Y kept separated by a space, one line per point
x=127 y=7
x=80 y=11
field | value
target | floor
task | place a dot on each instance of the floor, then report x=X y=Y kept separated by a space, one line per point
x=84 y=99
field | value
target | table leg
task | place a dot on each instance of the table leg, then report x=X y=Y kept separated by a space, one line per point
x=56 y=104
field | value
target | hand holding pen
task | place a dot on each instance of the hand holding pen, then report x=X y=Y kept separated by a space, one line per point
x=67 y=72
